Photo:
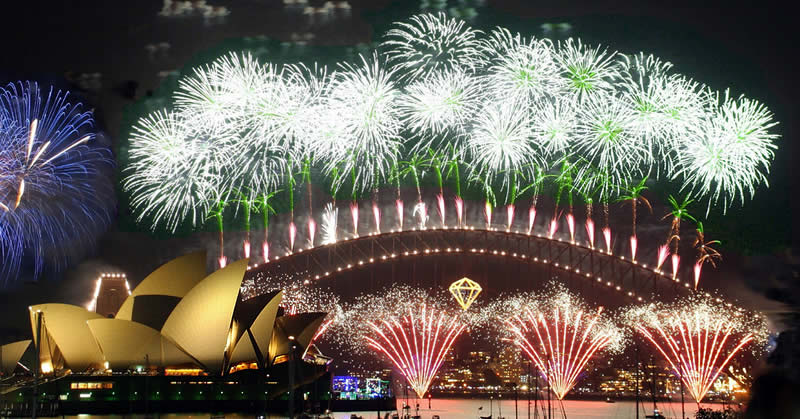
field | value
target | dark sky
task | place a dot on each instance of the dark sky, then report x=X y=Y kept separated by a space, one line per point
x=751 y=47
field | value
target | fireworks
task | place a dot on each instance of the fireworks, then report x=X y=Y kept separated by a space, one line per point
x=589 y=71
x=729 y=157
x=521 y=68
x=417 y=343
x=698 y=337
x=437 y=96
x=560 y=335
x=432 y=43
x=54 y=184
x=369 y=124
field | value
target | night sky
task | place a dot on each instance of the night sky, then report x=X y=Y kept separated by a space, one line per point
x=113 y=53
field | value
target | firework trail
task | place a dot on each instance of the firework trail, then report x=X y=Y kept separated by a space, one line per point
x=607 y=238
x=560 y=335
x=417 y=343
x=54 y=187
x=698 y=337
x=487 y=211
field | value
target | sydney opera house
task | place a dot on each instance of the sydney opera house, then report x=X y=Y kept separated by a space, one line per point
x=182 y=340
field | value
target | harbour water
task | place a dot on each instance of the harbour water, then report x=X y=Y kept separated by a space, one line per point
x=572 y=409
x=474 y=408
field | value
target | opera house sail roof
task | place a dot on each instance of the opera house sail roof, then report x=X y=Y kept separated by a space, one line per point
x=176 y=317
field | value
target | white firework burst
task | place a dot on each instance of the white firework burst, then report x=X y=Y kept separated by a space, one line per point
x=330 y=221
x=176 y=172
x=666 y=107
x=500 y=141
x=521 y=68
x=553 y=124
x=440 y=105
x=606 y=139
x=365 y=102
x=731 y=155
x=588 y=71
x=429 y=43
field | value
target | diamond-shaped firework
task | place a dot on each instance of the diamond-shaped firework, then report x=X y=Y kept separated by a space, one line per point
x=465 y=291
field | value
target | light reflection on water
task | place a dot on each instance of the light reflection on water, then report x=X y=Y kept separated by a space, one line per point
x=469 y=409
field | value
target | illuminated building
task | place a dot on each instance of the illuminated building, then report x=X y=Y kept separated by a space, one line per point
x=111 y=291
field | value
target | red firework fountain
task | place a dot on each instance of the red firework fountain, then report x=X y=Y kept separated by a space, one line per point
x=312 y=231
x=590 y=232
x=553 y=227
x=265 y=251
x=531 y=218
x=509 y=215
x=675 y=261
x=459 y=209
x=698 y=338
x=416 y=344
x=663 y=252
x=246 y=247
x=571 y=225
x=399 y=206
x=223 y=261
x=376 y=215
x=607 y=237
x=634 y=243
x=292 y=235
x=487 y=211
x=561 y=340
x=354 y=215
x=440 y=203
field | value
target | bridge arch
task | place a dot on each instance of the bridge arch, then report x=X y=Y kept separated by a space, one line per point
x=631 y=280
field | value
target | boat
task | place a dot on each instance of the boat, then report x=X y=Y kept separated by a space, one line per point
x=656 y=415
x=610 y=400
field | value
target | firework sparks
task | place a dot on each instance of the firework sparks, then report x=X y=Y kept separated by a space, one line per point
x=459 y=203
x=590 y=232
x=560 y=335
x=399 y=206
x=531 y=218
x=509 y=216
x=376 y=215
x=330 y=221
x=429 y=44
x=440 y=203
x=663 y=252
x=607 y=238
x=53 y=183
x=417 y=343
x=698 y=337
x=421 y=212
x=312 y=231
x=354 y=217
